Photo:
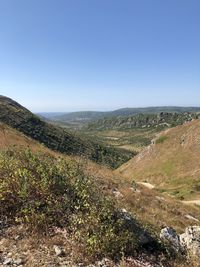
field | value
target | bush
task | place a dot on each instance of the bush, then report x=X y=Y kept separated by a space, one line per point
x=161 y=139
x=41 y=192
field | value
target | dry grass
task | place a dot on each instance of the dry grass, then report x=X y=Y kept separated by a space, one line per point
x=151 y=207
x=173 y=165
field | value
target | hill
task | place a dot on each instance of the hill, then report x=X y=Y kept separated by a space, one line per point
x=160 y=121
x=79 y=207
x=18 y=117
x=171 y=163
x=78 y=119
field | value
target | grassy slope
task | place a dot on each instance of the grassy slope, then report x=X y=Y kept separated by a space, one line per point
x=171 y=164
x=56 y=138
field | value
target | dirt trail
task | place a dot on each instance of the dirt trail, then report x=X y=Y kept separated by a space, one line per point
x=189 y=202
x=196 y=202
x=148 y=185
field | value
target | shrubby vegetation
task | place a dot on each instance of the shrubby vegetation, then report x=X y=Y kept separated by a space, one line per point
x=43 y=192
x=160 y=121
x=56 y=138
x=161 y=139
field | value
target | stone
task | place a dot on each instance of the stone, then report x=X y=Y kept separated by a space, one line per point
x=169 y=234
x=18 y=262
x=58 y=250
x=103 y=263
x=117 y=194
x=8 y=261
x=190 y=240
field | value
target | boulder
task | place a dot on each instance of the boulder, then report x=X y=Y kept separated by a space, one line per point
x=169 y=234
x=58 y=250
x=8 y=261
x=190 y=240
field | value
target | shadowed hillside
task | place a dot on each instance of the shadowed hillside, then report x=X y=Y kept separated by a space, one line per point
x=56 y=138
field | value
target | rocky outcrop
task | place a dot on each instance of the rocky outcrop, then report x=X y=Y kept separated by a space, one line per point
x=189 y=241
x=169 y=234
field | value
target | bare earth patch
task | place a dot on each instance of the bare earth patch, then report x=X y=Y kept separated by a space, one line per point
x=148 y=185
x=195 y=202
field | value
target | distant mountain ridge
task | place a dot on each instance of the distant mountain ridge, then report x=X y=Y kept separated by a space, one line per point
x=94 y=115
x=161 y=120
x=20 y=118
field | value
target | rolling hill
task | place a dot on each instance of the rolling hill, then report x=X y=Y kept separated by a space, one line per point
x=18 y=117
x=88 y=116
x=160 y=121
x=171 y=163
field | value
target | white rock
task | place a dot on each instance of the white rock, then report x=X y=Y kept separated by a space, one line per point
x=58 y=250
x=18 y=262
x=117 y=193
x=8 y=261
x=170 y=235
x=190 y=240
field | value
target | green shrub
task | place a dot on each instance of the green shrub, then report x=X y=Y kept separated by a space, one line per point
x=41 y=192
x=161 y=139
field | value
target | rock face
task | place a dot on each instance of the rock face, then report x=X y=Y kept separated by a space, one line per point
x=190 y=240
x=58 y=250
x=170 y=235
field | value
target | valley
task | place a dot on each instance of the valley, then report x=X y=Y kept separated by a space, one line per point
x=103 y=194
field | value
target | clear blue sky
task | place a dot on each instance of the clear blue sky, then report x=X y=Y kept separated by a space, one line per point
x=63 y=55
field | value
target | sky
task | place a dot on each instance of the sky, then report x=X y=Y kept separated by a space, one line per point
x=67 y=55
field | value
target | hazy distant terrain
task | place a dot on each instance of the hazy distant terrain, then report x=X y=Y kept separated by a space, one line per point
x=79 y=119
x=130 y=132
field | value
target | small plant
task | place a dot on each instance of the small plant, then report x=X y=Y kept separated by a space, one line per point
x=161 y=139
x=134 y=184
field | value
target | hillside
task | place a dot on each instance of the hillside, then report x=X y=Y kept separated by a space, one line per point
x=171 y=164
x=89 y=210
x=78 y=116
x=160 y=121
x=18 y=117
x=81 y=118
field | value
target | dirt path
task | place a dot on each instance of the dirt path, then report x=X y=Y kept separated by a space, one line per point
x=196 y=202
x=148 y=185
